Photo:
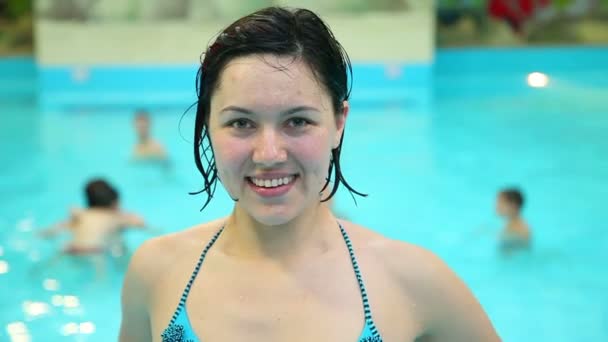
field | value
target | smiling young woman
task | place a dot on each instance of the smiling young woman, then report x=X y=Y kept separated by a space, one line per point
x=273 y=102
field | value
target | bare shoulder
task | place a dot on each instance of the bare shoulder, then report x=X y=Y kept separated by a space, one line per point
x=417 y=272
x=149 y=263
x=156 y=255
x=409 y=262
x=449 y=309
x=75 y=214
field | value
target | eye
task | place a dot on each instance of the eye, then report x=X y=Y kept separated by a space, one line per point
x=240 y=124
x=298 y=122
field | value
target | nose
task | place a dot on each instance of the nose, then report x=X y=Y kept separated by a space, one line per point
x=269 y=149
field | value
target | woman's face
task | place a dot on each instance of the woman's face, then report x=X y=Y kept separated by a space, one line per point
x=272 y=128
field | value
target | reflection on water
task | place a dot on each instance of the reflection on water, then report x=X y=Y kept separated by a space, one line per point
x=3 y=267
x=50 y=284
x=18 y=332
x=59 y=297
x=34 y=309
x=74 y=328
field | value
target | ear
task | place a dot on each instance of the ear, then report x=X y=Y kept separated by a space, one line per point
x=340 y=123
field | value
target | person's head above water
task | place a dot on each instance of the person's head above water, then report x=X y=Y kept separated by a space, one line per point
x=101 y=195
x=272 y=103
x=142 y=123
x=509 y=203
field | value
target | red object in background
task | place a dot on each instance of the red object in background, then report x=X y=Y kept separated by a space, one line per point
x=515 y=12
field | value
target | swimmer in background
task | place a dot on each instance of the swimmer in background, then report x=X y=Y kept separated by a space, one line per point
x=516 y=234
x=146 y=148
x=96 y=230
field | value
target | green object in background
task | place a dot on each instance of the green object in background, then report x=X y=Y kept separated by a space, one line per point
x=133 y=10
x=447 y=4
x=18 y=8
x=561 y=4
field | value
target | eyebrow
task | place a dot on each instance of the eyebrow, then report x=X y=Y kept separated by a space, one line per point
x=285 y=112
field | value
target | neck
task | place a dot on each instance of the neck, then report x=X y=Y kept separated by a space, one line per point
x=311 y=233
x=513 y=221
x=514 y=218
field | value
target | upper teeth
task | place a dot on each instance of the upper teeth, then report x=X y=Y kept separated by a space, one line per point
x=271 y=183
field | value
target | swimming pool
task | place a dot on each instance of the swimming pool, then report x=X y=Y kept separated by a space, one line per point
x=442 y=161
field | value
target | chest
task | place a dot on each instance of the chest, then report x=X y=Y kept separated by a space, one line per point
x=319 y=302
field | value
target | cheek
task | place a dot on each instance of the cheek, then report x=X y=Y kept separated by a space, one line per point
x=314 y=154
x=229 y=155
x=504 y=208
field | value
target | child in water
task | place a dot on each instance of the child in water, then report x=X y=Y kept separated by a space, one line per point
x=516 y=234
x=96 y=230
x=146 y=148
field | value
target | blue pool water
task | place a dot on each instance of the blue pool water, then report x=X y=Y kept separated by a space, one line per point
x=432 y=169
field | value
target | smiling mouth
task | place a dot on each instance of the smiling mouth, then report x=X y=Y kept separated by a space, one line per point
x=270 y=183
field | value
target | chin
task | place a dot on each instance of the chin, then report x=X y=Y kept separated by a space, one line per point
x=272 y=216
x=272 y=221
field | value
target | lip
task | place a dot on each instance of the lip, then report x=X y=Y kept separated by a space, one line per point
x=273 y=175
x=272 y=192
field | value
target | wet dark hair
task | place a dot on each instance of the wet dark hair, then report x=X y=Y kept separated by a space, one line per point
x=513 y=196
x=298 y=33
x=100 y=194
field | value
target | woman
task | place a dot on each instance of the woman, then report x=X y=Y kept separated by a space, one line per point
x=273 y=102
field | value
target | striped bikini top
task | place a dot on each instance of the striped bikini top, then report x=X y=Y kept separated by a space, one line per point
x=180 y=330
